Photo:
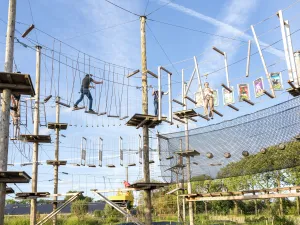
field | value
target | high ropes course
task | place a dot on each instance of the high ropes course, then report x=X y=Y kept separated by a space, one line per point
x=203 y=144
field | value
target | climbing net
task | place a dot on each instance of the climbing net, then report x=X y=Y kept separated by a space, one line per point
x=263 y=141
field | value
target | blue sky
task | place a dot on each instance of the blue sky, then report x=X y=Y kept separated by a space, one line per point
x=76 y=23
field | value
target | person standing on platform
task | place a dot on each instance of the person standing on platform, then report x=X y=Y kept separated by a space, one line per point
x=155 y=93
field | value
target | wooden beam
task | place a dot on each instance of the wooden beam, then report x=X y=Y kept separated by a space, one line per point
x=179 y=120
x=133 y=73
x=268 y=94
x=15 y=86
x=152 y=74
x=142 y=123
x=248 y=101
x=192 y=100
x=192 y=119
x=204 y=117
x=216 y=112
x=167 y=71
x=28 y=31
x=227 y=88
x=243 y=197
x=233 y=107
x=291 y=84
x=178 y=102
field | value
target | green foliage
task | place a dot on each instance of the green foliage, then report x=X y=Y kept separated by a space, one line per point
x=261 y=163
x=79 y=208
x=222 y=206
x=111 y=215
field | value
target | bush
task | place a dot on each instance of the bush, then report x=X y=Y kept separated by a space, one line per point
x=79 y=208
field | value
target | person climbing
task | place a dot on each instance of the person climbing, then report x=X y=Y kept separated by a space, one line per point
x=155 y=93
x=84 y=90
x=126 y=184
x=208 y=100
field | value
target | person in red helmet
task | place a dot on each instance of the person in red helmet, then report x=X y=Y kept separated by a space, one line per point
x=126 y=184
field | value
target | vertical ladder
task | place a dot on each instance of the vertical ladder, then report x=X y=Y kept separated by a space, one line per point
x=43 y=119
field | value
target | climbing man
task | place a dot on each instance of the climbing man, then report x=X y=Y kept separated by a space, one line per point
x=84 y=90
x=155 y=93
x=208 y=100
x=126 y=184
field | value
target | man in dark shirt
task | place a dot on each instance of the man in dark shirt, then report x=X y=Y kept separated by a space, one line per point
x=156 y=95
x=84 y=90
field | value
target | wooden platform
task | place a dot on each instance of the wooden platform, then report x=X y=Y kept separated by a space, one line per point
x=56 y=163
x=9 y=190
x=294 y=91
x=147 y=186
x=244 y=195
x=61 y=126
x=32 y=195
x=177 y=166
x=186 y=114
x=188 y=153
x=138 y=120
x=131 y=164
x=35 y=138
x=14 y=177
x=19 y=84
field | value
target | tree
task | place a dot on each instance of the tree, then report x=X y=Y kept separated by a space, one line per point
x=79 y=208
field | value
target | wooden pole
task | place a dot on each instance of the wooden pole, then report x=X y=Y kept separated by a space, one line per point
x=263 y=60
x=5 y=115
x=56 y=160
x=36 y=124
x=148 y=218
x=188 y=164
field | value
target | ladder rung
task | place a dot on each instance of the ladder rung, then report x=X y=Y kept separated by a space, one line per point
x=178 y=102
x=192 y=100
x=268 y=94
x=227 y=88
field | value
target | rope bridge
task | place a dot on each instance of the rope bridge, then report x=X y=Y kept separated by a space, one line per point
x=263 y=141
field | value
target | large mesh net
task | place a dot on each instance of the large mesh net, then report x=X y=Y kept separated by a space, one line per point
x=263 y=141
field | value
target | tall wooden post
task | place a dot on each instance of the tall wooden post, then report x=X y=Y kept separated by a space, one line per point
x=35 y=154
x=147 y=200
x=188 y=163
x=56 y=162
x=5 y=116
x=126 y=173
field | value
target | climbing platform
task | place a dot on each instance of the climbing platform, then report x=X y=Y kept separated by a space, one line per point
x=35 y=138
x=9 y=190
x=245 y=195
x=186 y=114
x=61 y=126
x=147 y=186
x=18 y=83
x=131 y=164
x=56 y=163
x=32 y=195
x=93 y=113
x=294 y=91
x=14 y=177
x=91 y=165
x=139 y=120
x=176 y=167
x=78 y=108
x=188 y=153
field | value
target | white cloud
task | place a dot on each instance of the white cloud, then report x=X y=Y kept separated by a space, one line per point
x=236 y=15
